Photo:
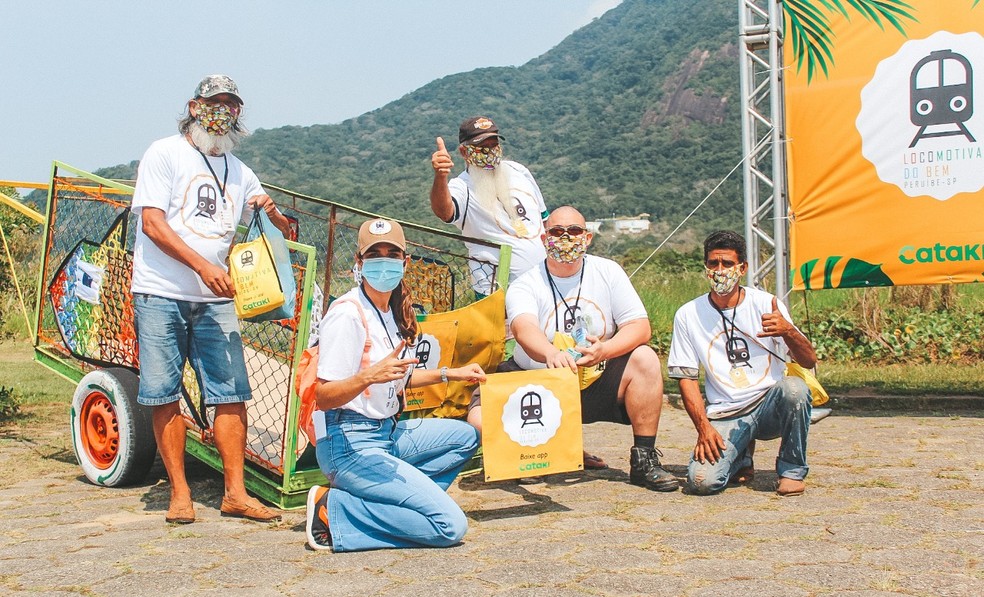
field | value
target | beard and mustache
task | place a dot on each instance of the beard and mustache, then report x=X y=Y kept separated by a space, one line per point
x=492 y=188
x=215 y=145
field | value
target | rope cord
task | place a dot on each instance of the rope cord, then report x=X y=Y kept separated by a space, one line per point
x=699 y=205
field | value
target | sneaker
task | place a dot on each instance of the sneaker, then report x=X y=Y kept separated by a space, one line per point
x=646 y=471
x=318 y=534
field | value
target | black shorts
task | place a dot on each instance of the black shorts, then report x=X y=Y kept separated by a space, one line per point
x=599 y=401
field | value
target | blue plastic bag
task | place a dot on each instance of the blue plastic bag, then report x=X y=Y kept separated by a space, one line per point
x=261 y=224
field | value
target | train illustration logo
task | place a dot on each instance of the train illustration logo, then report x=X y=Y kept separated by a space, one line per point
x=941 y=94
x=531 y=409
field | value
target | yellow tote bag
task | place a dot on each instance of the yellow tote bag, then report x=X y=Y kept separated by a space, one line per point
x=585 y=375
x=254 y=274
x=819 y=394
x=531 y=424
x=480 y=338
x=434 y=349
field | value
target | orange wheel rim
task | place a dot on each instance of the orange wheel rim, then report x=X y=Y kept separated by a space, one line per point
x=100 y=430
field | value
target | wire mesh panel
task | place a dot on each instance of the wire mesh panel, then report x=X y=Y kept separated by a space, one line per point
x=441 y=275
x=85 y=308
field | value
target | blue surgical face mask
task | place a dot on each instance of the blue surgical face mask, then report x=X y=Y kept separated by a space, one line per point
x=383 y=273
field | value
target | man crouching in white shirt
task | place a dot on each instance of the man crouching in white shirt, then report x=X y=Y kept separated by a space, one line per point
x=739 y=336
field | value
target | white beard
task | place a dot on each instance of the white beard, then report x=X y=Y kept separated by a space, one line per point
x=492 y=188
x=214 y=144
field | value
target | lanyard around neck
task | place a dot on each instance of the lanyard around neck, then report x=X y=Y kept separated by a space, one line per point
x=389 y=341
x=225 y=176
x=729 y=335
x=554 y=291
x=379 y=315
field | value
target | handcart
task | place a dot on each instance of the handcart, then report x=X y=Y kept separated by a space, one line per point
x=85 y=331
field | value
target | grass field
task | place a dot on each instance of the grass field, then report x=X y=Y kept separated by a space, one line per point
x=44 y=420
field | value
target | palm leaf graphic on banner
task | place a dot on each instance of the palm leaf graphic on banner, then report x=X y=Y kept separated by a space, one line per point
x=808 y=25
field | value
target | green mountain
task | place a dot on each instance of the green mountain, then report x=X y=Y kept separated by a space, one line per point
x=637 y=112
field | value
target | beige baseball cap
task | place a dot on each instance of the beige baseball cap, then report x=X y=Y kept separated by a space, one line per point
x=378 y=231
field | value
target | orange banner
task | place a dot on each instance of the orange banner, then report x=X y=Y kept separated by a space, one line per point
x=885 y=162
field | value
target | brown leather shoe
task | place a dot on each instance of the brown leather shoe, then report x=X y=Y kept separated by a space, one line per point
x=743 y=476
x=180 y=512
x=790 y=487
x=250 y=508
x=595 y=463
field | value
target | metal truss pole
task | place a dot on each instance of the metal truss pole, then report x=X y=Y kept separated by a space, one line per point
x=763 y=132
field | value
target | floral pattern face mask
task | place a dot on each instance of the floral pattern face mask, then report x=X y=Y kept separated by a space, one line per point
x=566 y=249
x=723 y=280
x=487 y=158
x=217 y=119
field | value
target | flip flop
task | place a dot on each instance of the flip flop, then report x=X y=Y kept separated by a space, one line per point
x=592 y=462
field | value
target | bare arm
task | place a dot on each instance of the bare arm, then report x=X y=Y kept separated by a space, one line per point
x=440 y=194
x=471 y=373
x=800 y=348
x=629 y=336
x=332 y=394
x=710 y=444
x=279 y=220
x=529 y=335
x=154 y=225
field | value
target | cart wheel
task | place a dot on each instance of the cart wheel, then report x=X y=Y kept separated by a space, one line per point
x=113 y=436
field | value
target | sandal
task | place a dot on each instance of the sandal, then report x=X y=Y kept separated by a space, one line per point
x=592 y=462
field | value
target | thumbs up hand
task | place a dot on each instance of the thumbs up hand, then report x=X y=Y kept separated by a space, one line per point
x=441 y=160
x=773 y=323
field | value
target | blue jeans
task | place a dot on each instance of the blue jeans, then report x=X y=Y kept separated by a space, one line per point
x=389 y=480
x=170 y=332
x=783 y=413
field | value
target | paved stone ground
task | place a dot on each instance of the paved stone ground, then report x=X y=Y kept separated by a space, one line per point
x=895 y=505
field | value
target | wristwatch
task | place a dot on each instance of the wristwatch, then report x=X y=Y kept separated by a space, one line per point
x=444 y=374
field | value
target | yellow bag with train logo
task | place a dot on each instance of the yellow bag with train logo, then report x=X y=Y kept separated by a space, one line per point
x=531 y=424
x=254 y=274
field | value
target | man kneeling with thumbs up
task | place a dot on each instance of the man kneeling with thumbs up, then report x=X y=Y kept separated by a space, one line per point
x=739 y=336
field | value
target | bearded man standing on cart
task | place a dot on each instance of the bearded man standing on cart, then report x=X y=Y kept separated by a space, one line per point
x=190 y=194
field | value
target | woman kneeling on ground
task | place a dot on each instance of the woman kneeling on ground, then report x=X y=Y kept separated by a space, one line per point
x=388 y=478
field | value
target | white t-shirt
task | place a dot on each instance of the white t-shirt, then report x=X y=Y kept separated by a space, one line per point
x=700 y=339
x=607 y=300
x=523 y=234
x=342 y=338
x=174 y=177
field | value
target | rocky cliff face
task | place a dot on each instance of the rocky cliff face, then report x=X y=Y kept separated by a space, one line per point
x=681 y=100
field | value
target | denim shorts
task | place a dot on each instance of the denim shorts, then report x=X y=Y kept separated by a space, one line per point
x=171 y=332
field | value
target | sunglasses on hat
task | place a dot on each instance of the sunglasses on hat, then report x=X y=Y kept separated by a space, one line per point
x=573 y=230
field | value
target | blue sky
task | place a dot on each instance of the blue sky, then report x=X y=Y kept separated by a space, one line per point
x=92 y=83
